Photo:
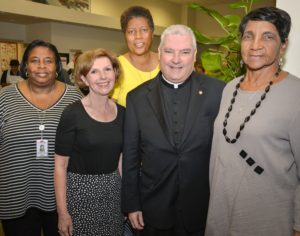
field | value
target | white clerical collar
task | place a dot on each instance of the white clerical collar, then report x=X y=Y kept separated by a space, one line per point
x=174 y=85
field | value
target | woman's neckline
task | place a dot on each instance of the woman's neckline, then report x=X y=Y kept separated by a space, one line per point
x=146 y=66
x=283 y=77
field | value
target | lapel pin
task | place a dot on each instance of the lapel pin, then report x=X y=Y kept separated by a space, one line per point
x=200 y=92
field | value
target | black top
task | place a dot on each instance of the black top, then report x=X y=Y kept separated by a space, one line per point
x=94 y=147
x=176 y=103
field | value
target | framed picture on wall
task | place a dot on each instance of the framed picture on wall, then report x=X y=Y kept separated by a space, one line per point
x=64 y=57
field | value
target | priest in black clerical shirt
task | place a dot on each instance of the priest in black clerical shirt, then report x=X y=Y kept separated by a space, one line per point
x=168 y=133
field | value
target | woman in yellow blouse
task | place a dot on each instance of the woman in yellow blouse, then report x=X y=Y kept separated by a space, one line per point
x=139 y=64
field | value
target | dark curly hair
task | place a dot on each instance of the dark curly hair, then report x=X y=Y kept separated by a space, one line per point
x=39 y=43
x=136 y=11
x=279 y=18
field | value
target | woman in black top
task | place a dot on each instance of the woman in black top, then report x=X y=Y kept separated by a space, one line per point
x=88 y=149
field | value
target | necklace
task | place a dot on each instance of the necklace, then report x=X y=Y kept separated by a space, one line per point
x=253 y=111
x=42 y=113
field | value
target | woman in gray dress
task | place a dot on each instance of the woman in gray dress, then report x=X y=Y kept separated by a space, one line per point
x=255 y=159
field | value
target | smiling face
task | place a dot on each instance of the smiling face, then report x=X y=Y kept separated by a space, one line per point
x=138 y=36
x=101 y=77
x=177 y=56
x=41 y=67
x=261 y=46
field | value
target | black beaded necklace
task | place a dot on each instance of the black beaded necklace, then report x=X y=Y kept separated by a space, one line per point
x=253 y=111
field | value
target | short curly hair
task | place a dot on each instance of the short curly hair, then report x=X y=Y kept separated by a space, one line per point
x=136 y=11
x=279 y=18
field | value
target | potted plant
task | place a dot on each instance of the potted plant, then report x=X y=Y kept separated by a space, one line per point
x=223 y=58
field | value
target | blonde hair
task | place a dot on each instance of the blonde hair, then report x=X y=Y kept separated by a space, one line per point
x=86 y=60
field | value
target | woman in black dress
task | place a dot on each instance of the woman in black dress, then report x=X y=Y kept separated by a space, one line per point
x=88 y=150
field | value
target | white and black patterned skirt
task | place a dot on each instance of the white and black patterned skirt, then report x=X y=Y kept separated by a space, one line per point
x=94 y=204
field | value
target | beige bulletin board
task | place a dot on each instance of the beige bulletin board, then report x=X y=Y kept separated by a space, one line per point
x=8 y=51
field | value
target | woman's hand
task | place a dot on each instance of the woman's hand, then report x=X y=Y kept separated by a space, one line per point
x=65 y=225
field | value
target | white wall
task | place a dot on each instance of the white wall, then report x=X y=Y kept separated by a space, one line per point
x=38 y=31
x=292 y=55
x=12 y=32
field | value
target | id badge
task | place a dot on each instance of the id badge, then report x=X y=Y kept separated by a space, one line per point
x=41 y=148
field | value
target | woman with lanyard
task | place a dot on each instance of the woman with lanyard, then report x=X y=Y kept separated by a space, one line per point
x=29 y=115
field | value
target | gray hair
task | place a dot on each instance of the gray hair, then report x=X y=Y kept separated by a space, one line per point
x=178 y=30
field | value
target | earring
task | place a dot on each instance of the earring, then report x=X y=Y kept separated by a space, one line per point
x=56 y=74
x=280 y=62
x=241 y=63
x=26 y=74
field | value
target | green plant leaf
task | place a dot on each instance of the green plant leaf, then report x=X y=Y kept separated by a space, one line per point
x=238 y=5
x=223 y=22
x=194 y=5
x=211 y=61
x=222 y=59
x=231 y=45
x=204 y=39
x=234 y=22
